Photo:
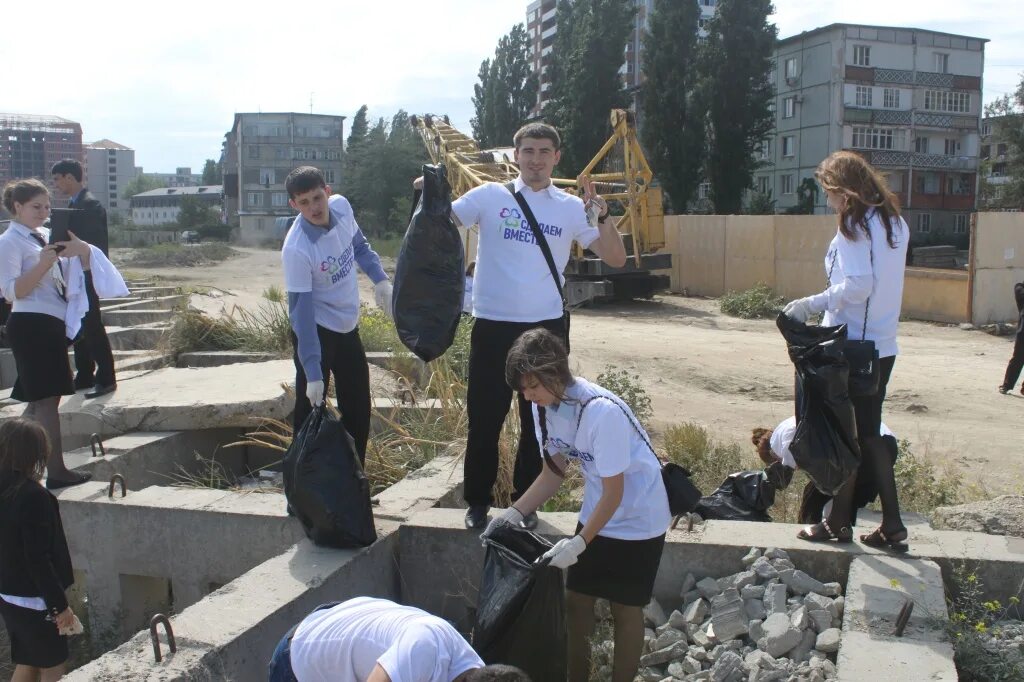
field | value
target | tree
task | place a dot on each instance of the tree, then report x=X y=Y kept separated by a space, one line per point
x=672 y=128
x=195 y=213
x=585 y=80
x=213 y=173
x=507 y=90
x=360 y=126
x=141 y=183
x=736 y=65
x=806 y=197
x=761 y=203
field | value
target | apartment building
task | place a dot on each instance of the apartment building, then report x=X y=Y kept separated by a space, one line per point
x=162 y=206
x=31 y=144
x=907 y=99
x=181 y=177
x=259 y=152
x=109 y=167
x=995 y=157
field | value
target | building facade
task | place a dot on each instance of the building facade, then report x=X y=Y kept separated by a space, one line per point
x=109 y=167
x=995 y=158
x=908 y=100
x=259 y=152
x=181 y=177
x=30 y=145
x=162 y=206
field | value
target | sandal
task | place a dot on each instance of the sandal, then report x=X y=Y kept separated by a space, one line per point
x=896 y=542
x=822 y=532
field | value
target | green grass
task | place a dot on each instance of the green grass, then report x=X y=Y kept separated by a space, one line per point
x=180 y=255
x=387 y=246
x=758 y=302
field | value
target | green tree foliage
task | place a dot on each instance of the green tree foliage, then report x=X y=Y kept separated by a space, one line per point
x=806 y=196
x=736 y=86
x=506 y=91
x=761 y=203
x=673 y=120
x=1008 y=129
x=382 y=166
x=213 y=172
x=585 y=80
x=139 y=184
x=195 y=213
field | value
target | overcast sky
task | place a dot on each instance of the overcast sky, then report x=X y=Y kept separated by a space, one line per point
x=167 y=79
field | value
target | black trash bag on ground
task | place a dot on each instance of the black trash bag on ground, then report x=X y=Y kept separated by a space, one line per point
x=745 y=495
x=430 y=275
x=520 y=616
x=825 y=443
x=325 y=485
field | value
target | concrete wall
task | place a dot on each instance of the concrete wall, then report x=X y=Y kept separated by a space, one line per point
x=998 y=263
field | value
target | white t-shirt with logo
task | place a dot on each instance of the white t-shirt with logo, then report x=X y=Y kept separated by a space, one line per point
x=346 y=642
x=607 y=444
x=853 y=258
x=326 y=267
x=512 y=279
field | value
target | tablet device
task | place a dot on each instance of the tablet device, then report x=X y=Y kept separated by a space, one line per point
x=60 y=222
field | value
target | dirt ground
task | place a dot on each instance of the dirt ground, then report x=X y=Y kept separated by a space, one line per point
x=732 y=375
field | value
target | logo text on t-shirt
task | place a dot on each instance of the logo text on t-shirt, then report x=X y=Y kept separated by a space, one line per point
x=516 y=228
x=568 y=450
x=337 y=268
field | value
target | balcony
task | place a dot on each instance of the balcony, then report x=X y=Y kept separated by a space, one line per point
x=938 y=120
x=880 y=116
x=928 y=79
x=888 y=158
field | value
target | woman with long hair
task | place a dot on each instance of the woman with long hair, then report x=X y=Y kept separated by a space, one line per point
x=864 y=267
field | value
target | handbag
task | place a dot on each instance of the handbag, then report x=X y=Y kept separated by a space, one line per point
x=862 y=355
x=542 y=242
x=683 y=495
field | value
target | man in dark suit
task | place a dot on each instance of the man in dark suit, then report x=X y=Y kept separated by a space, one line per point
x=94 y=361
x=1017 y=359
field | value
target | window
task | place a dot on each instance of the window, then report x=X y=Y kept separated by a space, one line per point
x=111 y=152
x=961 y=222
x=267 y=176
x=949 y=101
x=279 y=199
x=877 y=138
x=788 y=146
x=255 y=199
x=789 y=107
x=328 y=175
x=921 y=145
x=891 y=98
x=942 y=62
x=280 y=152
x=924 y=222
x=333 y=154
x=787 y=183
x=986 y=151
x=863 y=98
x=1001 y=149
x=895 y=182
x=791 y=68
x=861 y=55
x=764 y=150
x=113 y=188
x=952 y=147
x=763 y=184
x=926 y=183
x=254 y=151
x=113 y=203
x=986 y=128
x=959 y=184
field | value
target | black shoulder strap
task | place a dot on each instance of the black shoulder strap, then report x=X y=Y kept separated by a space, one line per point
x=540 y=239
x=543 y=418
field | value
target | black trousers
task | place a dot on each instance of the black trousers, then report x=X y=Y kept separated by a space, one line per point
x=1016 y=362
x=94 y=361
x=341 y=355
x=488 y=400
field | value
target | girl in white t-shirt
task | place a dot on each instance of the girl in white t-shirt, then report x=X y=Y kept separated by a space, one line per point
x=864 y=267
x=617 y=547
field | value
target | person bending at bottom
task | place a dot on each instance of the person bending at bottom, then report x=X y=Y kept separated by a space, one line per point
x=376 y=640
x=621 y=531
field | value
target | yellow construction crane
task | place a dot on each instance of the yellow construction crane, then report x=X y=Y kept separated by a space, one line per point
x=621 y=173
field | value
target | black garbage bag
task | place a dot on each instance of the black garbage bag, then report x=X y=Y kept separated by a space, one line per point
x=745 y=495
x=430 y=275
x=520 y=617
x=825 y=443
x=325 y=485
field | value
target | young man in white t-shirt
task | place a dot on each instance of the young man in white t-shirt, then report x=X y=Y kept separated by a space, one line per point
x=376 y=640
x=320 y=255
x=513 y=292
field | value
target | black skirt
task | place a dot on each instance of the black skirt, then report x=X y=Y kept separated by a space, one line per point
x=34 y=640
x=40 y=347
x=622 y=571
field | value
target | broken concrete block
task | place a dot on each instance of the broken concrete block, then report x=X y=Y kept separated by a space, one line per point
x=817 y=602
x=708 y=588
x=654 y=614
x=663 y=656
x=677 y=621
x=689 y=582
x=800 y=583
x=737 y=581
x=840 y=604
x=754 y=630
x=800 y=619
x=755 y=609
x=833 y=589
x=828 y=641
x=701 y=639
x=759 y=659
x=776 y=553
x=727 y=668
x=651 y=675
x=690 y=597
x=728 y=616
x=684 y=667
x=802 y=651
x=779 y=636
x=820 y=620
x=775 y=599
x=696 y=612
x=752 y=592
x=751 y=556
x=782 y=564
x=764 y=569
x=668 y=638
x=698 y=653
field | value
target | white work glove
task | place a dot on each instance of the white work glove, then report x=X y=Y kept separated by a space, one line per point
x=382 y=291
x=315 y=392
x=799 y=310
x=510 y=517
x=566 y=552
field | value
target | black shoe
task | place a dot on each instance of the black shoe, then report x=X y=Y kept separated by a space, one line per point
x=77 y=479
x=476 y=516
x=530 y=521
x=82 y=384
x=1004 y=390
x=101 y=390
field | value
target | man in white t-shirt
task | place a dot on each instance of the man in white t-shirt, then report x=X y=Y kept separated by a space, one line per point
x=376 y=640
x=513 y=291
x=320 y=255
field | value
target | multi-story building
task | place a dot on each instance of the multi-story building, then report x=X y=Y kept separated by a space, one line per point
x=181 y=177
x=542 y=24
x=908 y=100
x=995 y=157
x=259 y=152
x=30 y=145
x=109 y=167
x=162 y=206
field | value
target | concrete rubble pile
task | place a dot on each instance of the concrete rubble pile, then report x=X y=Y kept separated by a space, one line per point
x=770 y=622
x=1006 y=637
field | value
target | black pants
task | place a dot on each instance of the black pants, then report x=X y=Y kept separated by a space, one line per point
x=94 y=361
x=341 y=355
x=1016 y=362
x=488 y=401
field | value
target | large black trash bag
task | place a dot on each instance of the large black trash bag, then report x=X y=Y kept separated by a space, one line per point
x=430 y=275
x=520 y=617
x=745 y=495
x=825 y=443
x=325 y=485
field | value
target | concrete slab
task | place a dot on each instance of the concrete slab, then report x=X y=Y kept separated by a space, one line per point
x=438 y=483
x=136 y=337
x=135 y=316
x=153 y=291
x=8 y=369
x=218 y=358
x=139 y=303
x=405 y=364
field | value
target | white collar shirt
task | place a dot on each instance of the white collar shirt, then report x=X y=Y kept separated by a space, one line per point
x=512 y=282
x=19 y=253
